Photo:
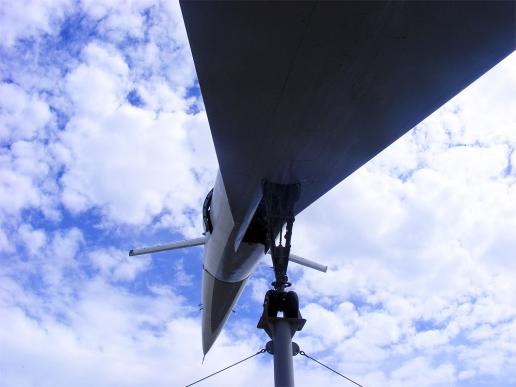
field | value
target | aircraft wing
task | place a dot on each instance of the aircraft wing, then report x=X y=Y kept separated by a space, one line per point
x=308 y=92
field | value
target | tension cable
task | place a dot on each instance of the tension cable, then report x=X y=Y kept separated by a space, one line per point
x=232 y=365
x=331 y=369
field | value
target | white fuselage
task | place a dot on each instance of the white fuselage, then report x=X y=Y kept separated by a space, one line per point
x=221 y=259
x=226 y=269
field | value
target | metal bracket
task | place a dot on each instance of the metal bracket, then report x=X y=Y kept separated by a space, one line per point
x=267 y=324
x=279 y=202
x=269 y=348
x=279 y=301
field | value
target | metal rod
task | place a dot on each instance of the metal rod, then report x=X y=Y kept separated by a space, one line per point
x=283 y=363
x=169 y=246
x=306 y=262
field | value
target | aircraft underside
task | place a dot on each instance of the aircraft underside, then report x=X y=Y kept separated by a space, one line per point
x=301 y=94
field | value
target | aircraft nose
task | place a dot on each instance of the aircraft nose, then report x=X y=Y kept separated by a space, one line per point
x=218 y=299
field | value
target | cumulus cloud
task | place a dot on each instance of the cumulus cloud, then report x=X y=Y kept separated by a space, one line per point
x=421 y=240
x=117 y=265
x=25 y=180
x=33 y=239
x=23 y=115
x=125 y=158
x=98 y=86
x=102 y=127
x=122 y=165
x=26 y=19
x=93 y=324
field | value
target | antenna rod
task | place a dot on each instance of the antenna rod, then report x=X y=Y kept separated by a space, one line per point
x=169 y=246
x=306 y=262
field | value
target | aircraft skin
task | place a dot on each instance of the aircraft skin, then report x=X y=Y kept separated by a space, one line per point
x=307 y=92
x=225 y=270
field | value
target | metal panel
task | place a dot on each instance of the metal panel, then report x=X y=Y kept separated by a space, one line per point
x=308 y=92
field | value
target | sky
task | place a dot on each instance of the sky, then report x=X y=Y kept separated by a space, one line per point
x=105 y=146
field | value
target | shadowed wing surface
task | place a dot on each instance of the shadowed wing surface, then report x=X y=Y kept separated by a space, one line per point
x=308 y=92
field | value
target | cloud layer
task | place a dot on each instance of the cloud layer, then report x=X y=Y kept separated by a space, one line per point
x=104 y=144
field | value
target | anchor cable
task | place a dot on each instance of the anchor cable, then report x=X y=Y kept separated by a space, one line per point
x=232 y=365
x=331 y=369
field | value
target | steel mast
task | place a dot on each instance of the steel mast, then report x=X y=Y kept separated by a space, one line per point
x=279 y=200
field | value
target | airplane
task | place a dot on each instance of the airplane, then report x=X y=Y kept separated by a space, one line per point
x=298 y=96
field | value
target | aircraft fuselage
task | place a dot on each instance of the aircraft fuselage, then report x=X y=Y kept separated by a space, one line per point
x=226 y=269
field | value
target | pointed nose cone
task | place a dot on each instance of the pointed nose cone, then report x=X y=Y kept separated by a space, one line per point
x=218 y=299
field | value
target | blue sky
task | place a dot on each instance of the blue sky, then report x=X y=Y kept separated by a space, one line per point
x=105 y=146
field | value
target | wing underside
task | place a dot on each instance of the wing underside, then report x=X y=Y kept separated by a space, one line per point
x=308 y=92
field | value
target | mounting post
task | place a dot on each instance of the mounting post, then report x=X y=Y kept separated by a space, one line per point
x=281 y=330
x=283 y=354
x=279 y=200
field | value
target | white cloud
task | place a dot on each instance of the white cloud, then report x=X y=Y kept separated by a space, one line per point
x=124 y=337
x=23 y=116
x=420 y=241
x=182 y=278
x=117 y=265
x=328 y=327
x=5 y=244
x=27 y=19
x=423 y=243
x=175 y=147
x=16 y=192
x=33 y=239
x=118 y=17
x=134 y=165
x=98 y=86
x=25 y=165
x=421 y=372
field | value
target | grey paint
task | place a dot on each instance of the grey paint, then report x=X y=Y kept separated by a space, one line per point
x=225 y=270
x=219 y=297
x=308 y=92
x=221 y=259
x=283 y=356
